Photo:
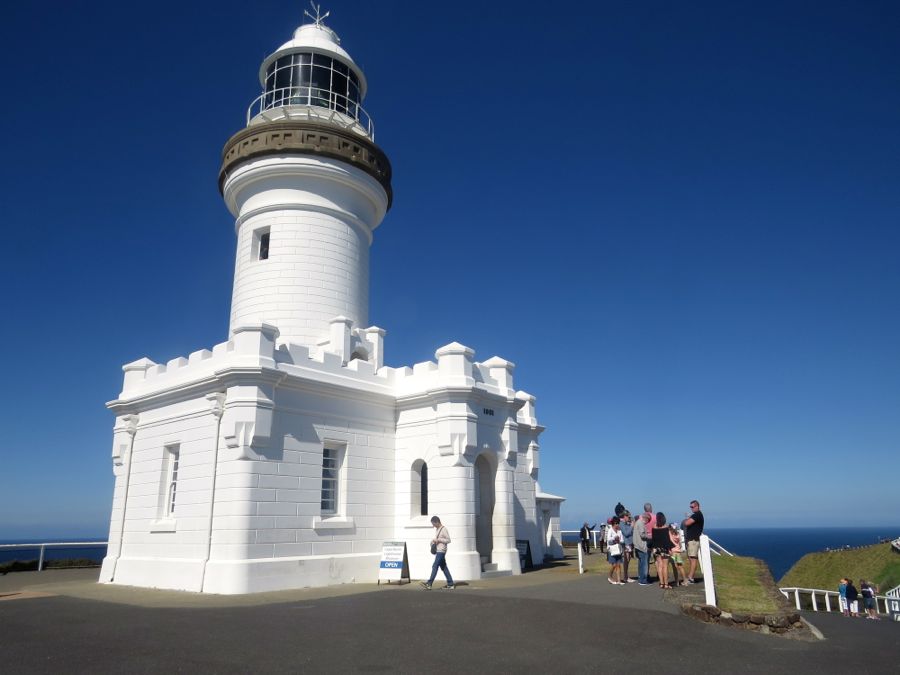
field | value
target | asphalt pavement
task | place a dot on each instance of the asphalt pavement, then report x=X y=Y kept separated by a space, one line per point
x=549 y=619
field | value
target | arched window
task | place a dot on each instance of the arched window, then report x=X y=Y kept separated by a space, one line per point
x=419 y=489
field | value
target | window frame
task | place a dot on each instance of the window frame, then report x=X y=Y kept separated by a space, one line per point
x=167 y=500
x=418 y=493
x=334 y=453
x=262 y=243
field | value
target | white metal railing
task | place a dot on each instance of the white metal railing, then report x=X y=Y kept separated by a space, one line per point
x=45 y=545
x=709 y=582
x=894 y=593
x=717 y=548
x=827 y=596
x=312 y=103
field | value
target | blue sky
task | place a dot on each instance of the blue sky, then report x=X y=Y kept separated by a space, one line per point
x=680 y=221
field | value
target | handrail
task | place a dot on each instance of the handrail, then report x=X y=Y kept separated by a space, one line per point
x=709 y=581
x=52 y=544
x=341 y=109
x=787 y=591
x=717 y=548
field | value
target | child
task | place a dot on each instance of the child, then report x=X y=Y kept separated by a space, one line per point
x=842 y=592
x=677 y=560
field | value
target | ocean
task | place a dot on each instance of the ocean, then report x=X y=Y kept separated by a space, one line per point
x=780 y=548
x=95 y=553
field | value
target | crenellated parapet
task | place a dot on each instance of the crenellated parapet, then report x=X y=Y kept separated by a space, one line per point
x=351 y=358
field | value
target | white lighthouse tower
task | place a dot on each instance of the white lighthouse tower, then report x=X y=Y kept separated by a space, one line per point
x=287 y=455
x=308 y=186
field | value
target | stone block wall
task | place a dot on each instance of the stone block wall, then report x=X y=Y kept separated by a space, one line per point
x=318 y=268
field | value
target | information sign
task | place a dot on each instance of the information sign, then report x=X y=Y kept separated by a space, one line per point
x=893 y=606
x=524 y=547
x=394 y=565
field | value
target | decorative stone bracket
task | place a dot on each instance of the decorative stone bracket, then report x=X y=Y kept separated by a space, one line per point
x=123 y=434
x=247 y=419
x=534 y=459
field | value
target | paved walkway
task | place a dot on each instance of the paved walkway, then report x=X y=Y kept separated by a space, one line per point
x=549 y=619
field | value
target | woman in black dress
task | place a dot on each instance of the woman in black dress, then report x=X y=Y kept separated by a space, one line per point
x=661 y=544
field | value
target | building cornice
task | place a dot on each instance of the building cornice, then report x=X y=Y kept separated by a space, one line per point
x=308 y=138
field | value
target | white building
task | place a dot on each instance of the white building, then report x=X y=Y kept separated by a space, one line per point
x=285 y=456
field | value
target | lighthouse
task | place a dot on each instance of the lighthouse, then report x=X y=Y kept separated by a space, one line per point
x=307 y=186
x=290 y=454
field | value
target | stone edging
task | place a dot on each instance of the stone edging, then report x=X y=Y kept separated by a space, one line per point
x=786 y=624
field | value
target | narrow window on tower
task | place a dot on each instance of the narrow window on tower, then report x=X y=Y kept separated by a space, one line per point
x=261 y=244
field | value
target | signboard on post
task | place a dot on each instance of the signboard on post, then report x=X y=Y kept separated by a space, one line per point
x=524 y=548
x=893 y=608
x=394 y=565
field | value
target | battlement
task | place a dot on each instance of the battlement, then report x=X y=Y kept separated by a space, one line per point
x=350 y=358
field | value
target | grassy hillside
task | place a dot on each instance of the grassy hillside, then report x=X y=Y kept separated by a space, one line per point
x=745 y=585
x=824 y=570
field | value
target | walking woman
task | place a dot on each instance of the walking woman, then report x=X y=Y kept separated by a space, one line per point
x=439 y=549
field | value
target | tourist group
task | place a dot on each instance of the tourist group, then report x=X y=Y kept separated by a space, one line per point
x=649 y=537
x=850 y=598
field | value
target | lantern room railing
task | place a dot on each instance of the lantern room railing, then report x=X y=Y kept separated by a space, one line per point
x=309 y=102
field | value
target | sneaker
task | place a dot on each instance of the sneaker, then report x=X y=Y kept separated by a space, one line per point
x=690 y=581
x=425 y=585
x=620 y=583
x=449 y=587
x=611 y=581
x=630 y=581
x=644 y=583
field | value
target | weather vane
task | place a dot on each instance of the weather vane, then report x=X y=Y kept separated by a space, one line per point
x=319 y=17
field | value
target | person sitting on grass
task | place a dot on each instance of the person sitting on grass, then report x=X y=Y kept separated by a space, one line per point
x=614 y=549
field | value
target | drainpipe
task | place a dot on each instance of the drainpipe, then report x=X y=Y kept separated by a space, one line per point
x=129 y=426
x=217 y=407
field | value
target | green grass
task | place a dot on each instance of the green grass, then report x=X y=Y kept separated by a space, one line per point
x=824 y=570
x=744 y=585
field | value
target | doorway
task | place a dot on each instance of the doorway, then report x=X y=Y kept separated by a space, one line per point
x=484 y=509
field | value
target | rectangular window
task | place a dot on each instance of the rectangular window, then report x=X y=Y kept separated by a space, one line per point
x=171 y=456
x=331 y=467
x=261 y=244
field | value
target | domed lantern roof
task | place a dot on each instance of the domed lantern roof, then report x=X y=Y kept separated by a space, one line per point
x=311 y=76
